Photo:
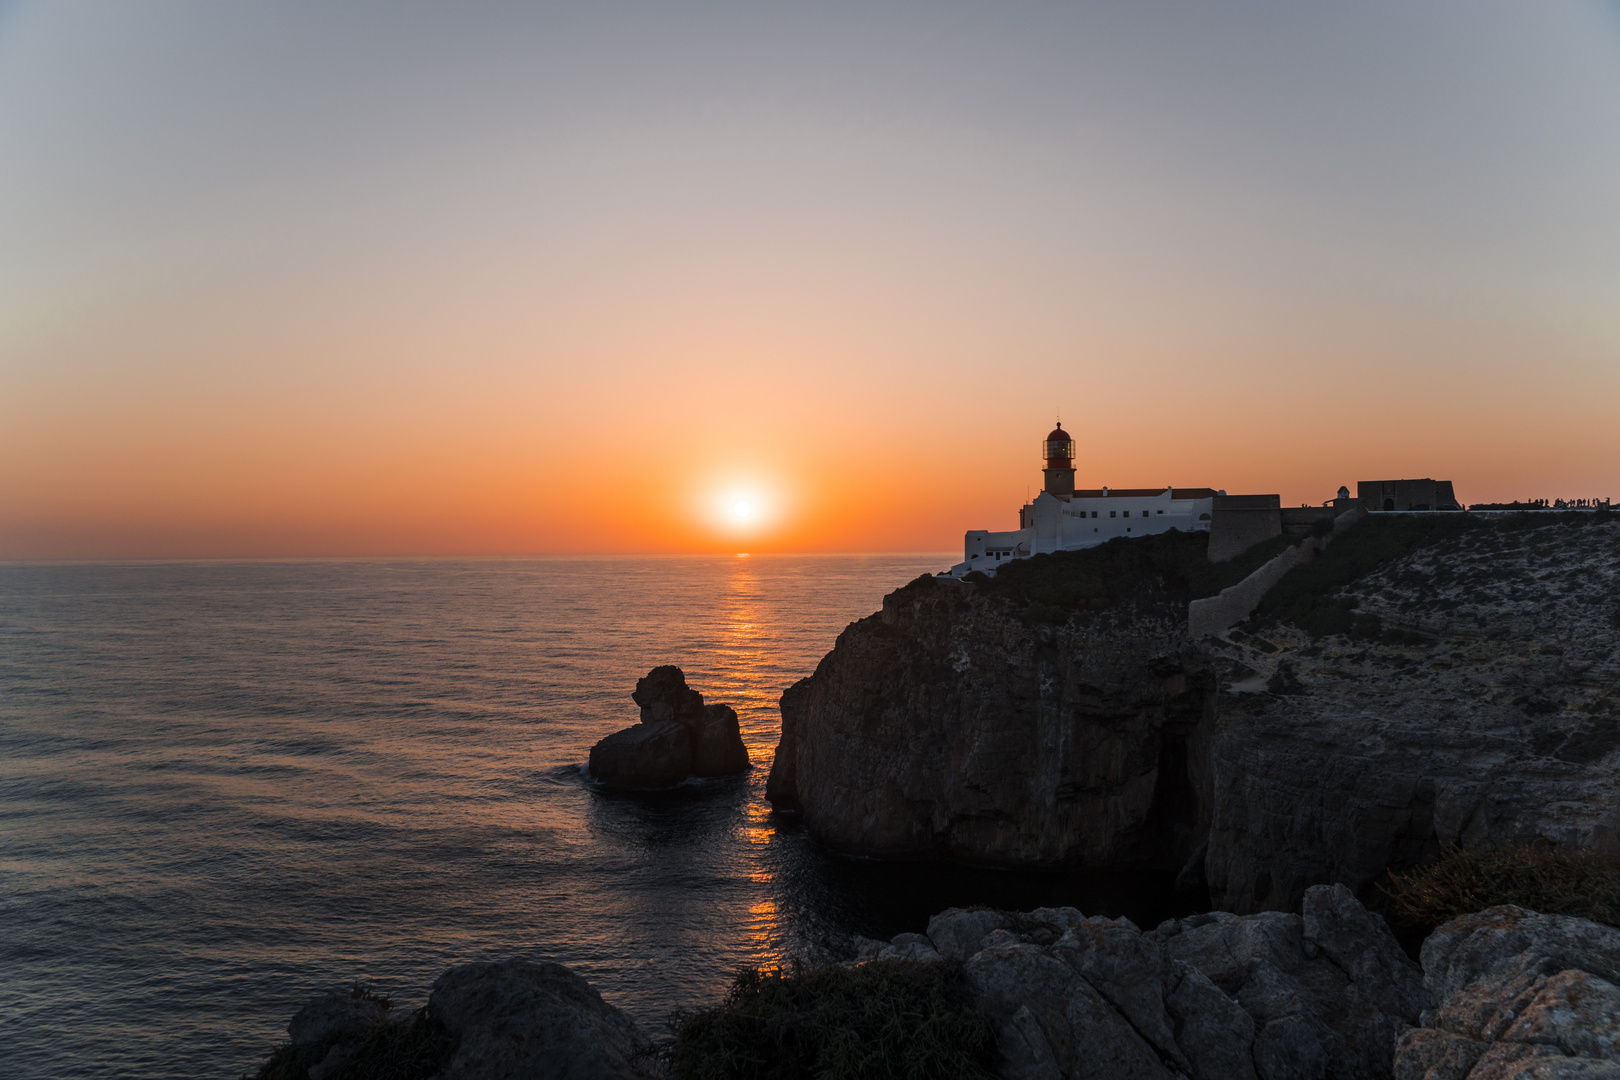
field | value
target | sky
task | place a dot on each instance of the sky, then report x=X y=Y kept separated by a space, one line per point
x=303 y=279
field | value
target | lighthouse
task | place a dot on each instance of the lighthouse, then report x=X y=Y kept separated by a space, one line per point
x=1059 y=453
x=1062 y=518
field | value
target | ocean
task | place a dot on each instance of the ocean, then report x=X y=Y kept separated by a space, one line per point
x=226 y=786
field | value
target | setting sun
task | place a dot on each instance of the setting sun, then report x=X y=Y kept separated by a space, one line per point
x=742 y=508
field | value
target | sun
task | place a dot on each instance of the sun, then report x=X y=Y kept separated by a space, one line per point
x=742 y=509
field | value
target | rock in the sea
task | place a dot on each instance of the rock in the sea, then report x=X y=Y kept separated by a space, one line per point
x=1517 y=994
x=663 y=695
x=338 y=1013
x=1471 y=696
x=717 y=746
x=678 y=737
x=649 y=755
x=519 y=1020
x=1273 y=996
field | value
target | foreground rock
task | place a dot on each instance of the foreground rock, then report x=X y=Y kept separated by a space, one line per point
x=1477 y=701
x=506 y=1020
x=1518 y=994
x=678 y=736
x=1272 y=996
x=516 y=1020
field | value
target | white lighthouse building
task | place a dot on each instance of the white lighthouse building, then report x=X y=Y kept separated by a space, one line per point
x=1064 y=519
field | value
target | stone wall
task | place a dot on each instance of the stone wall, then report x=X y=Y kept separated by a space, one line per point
x=1214 y=614
x=1232 y=531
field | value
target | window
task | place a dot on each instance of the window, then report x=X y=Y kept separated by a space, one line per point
x=1094 y=513
x=1113 y=513
x=1161 y=511
x=1127 y=513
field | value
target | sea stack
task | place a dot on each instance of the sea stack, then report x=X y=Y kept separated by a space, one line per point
x=678 y=736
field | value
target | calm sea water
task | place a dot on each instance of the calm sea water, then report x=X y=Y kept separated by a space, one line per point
x=225 y=786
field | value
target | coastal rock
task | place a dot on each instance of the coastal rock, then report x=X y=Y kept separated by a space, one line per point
x=650 y=755
x=678 y=737
x=338 y=1013
x=1476 y=702
x=958 y=934
x=664 y=696
x=1271 y=996
x=1517 y=994
x=717 y=746
x=519 y=1020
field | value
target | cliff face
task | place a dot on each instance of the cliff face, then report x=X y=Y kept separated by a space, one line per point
x=1486 y=708
x=1461 y=687
x=952 y=725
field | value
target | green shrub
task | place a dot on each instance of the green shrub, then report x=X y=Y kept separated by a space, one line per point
x=894 y=1020
x=1552 y=880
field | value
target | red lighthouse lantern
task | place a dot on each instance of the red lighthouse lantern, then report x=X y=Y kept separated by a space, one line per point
x=1059 y=453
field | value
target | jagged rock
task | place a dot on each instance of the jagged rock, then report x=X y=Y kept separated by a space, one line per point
x=519 y=1020
x=1360 y=943
x=1271 y=996
x=1311 y=1010
x=1517 y=994
x=336 y=1013
x=1213 y=1032
x=650 y=755
x=678 y=737
x=1051 y=1023
x=1131 y=970
x=664 y=696
x=958 y=934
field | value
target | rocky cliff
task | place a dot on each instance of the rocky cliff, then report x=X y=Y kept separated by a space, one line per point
x=1428 y=680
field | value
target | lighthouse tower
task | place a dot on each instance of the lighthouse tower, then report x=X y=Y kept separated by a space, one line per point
x=1059 y=453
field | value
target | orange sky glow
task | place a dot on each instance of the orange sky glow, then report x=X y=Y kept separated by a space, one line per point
x=449 y=292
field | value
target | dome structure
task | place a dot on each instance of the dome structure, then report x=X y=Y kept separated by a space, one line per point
x=1058 y=450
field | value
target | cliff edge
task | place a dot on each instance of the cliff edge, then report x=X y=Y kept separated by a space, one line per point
x=1427 y=680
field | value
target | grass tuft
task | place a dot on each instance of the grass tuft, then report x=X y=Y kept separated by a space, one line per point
x=892 y=1020
x=1551 y=880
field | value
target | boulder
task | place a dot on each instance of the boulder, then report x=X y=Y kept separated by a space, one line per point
x=339 y=1012
x=663 y=695
x=650 y=755
x=520 y=1020
x=958 y=933
x=1131 y=970
x=1517 y=993
x=678 y=737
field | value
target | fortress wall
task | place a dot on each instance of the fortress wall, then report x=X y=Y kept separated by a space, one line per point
x=1234 y=531
x=1299 y=520
x=1215 y=614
